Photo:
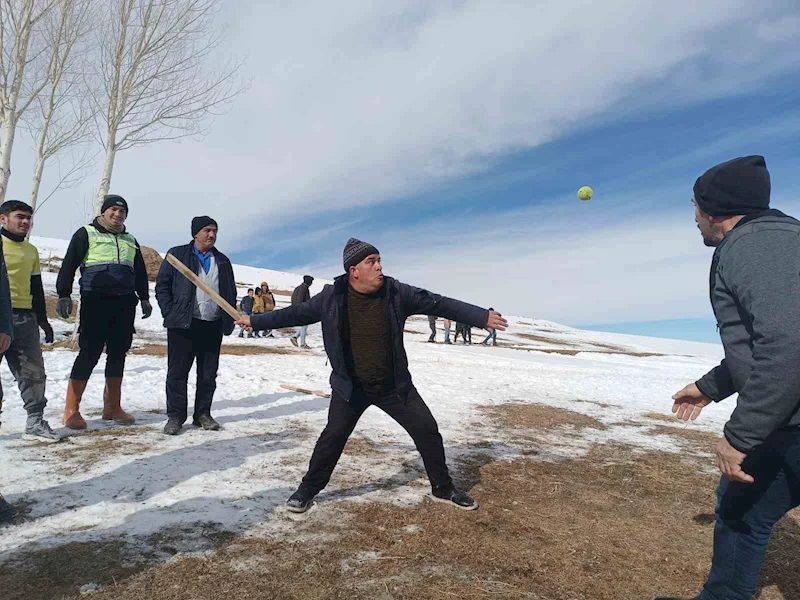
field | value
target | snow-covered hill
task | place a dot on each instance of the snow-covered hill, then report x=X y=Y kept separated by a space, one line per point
x=134 y=482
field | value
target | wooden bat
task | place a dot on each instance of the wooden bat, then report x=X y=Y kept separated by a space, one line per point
x=191 y=276
x=305 y=391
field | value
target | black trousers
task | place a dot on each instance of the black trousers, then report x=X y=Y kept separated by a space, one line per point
x=202 y=341
x=106 y=322
x=412 y=414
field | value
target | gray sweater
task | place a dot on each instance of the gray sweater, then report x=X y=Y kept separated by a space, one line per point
x=755 y=294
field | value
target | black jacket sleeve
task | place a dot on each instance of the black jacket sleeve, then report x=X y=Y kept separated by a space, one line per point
x=6 y=323
x=37 y=294
x=164 y=286
x=292 y=316
x=76 y=253
x=140 y=272
x=422 y=302
x=717 y=384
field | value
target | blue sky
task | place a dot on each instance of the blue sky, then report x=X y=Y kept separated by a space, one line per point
x=454 y=135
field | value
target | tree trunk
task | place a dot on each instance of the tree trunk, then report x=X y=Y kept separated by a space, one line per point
x=38 y=170
x=105 y=180
x=9 y=131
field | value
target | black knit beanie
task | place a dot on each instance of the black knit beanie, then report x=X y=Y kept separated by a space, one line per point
x=355 y=251
x=199 y=222
x=738 y=187
x=308 y=279
x=113 y=200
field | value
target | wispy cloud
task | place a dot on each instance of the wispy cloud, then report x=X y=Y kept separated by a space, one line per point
x=359 y=103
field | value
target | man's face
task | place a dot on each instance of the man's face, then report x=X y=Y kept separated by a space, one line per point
x=116 y=215
x=17 y=222
x=206 y=238
x=709 y=229
x=369 y=273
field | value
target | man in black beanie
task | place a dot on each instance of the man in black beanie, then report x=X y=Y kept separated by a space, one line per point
x=302 y=293
x=363 y=315
x=755 y=294
x=113 y=281
x=195 y=324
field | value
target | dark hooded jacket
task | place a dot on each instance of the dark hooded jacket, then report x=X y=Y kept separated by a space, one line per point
x=330 y=307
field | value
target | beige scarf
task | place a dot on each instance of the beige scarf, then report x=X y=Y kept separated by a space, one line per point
x=101 y=220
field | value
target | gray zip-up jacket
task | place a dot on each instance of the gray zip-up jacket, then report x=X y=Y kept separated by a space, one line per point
x=755 y=294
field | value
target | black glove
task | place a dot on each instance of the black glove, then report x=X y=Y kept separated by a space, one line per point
x=49 y=336
x=64 y=307
x=147 y=309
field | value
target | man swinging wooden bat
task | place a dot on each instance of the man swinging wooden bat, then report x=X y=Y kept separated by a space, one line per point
x=363 y=314
x=196 y=305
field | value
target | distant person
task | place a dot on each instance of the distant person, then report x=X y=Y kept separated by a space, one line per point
x=447 y=325
x=195 y=324
x=246 y=306
x=432 y=323
x=268 y=300
x=113 y=281
x=24 y=356
x=465 y=331
x=302 y=293
x=363 y=316
x=755 y=294
x=258 y=307
x=492 y=336
x=7 y=511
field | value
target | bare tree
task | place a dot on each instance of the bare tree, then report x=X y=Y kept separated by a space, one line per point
x=159 y=82
x=62 y=120
x=20 y=47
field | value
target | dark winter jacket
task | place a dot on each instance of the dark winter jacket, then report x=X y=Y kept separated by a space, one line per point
x=755 y=294
x=176 y=294
x=6 y=316
x=246 y=305
x=76 y=254
x=301 y=294
x=330 y=307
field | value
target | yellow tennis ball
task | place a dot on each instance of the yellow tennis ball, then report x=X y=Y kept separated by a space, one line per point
x=585 y=193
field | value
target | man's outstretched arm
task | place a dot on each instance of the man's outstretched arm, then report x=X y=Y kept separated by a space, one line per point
x=422 y=302
x=306 y=313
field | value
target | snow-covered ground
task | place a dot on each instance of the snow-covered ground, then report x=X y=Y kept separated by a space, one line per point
x=135 y=481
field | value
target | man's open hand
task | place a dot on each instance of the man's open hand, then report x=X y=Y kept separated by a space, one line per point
x=689 y=402
x=496 y=321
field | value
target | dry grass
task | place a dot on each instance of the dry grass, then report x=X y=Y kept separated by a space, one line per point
x=703 y=440
x=234 y=350
x=544 y=340
x=93 y=447
x=362 y=447
x=539 y=416
x=614 y=525
x=660 y=417
x=56 y=573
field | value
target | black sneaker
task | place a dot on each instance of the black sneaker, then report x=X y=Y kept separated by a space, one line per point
x=454 y=496
x=173 y=426
x=300 y=501
x=7 y=511
x=206 y=421
x=294 y=341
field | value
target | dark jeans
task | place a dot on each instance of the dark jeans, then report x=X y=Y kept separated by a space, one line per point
x=746 y=514
x=202 y=341
x=106 y=321
x=412 y=414
x=24 y=358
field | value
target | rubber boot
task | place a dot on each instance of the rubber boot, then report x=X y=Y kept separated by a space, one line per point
x=112 y=395
x=72 y=416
